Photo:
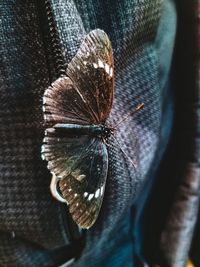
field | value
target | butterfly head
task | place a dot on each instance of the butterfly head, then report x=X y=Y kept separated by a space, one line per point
x=107 y=131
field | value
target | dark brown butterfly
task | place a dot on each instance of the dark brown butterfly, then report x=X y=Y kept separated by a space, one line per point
x=75 y=111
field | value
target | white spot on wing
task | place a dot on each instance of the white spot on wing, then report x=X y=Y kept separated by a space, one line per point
x=97 y=193
x=85 y=62
x=102 y=190
x=111 y=71
x=85 y=194
x=100 y=63
x=107 y=68
x=95 y=65
x=90 y=196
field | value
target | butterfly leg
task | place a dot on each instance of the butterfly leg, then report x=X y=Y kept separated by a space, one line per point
x=132 y=162
x=105 y=141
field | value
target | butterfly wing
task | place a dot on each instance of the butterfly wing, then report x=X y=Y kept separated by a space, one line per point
x=84 y=98
x=81 y=162
x=91 y=71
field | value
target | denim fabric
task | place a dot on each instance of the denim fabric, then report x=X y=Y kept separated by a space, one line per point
x=32 y=227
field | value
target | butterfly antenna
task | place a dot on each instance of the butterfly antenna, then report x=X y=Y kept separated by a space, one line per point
x=138 y=107
x=125 y=154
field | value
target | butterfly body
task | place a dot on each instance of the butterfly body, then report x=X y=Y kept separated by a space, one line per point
x=76 y=108
x=99 y=131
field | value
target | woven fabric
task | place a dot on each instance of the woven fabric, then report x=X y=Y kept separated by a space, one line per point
x=33 y=230
x=27 y=210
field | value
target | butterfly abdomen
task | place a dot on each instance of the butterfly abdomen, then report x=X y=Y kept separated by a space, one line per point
x=77 y=130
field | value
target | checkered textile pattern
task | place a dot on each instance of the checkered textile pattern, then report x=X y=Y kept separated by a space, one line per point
x=32 y=228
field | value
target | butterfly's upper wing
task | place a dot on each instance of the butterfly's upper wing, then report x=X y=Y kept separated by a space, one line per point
x=91 y=71
x=81 y=162
x=84 y=98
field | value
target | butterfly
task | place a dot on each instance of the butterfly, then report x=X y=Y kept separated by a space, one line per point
x=76 y=108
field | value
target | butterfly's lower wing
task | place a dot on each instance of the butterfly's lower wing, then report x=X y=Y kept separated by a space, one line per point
x=81 y=162
x=91 y=71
